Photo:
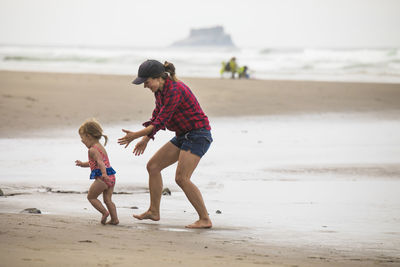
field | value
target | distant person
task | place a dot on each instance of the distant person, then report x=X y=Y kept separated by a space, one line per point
x=101 y=171
x=230 y=66
x=178 y=110
x=242 y=71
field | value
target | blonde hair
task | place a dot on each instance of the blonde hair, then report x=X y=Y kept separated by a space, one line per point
x=93 y=128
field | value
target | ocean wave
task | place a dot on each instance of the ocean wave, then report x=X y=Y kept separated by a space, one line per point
x=55 y=59
x=286 y=63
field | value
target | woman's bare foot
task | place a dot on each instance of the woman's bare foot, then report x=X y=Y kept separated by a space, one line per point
x=104 y=217
x=200 y=224
x=113 y=222
x=148 y=215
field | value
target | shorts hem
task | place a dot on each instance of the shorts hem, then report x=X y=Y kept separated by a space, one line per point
x=188 y=149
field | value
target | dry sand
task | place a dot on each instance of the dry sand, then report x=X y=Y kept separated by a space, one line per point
x=30 y=101
x=34 y=101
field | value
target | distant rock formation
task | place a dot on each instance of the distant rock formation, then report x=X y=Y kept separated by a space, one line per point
x=214 y=36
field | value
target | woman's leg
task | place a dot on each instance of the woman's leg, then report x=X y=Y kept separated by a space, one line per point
x=110 y=205
x=164 y=157
x=95 y=190
x=187 y=163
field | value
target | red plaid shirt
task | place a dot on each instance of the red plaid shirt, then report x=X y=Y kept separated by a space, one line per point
x=177 y=109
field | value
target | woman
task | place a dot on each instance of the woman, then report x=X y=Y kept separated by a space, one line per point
x=178 y=110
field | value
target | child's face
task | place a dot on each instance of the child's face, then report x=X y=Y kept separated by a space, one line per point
x=154 y=84
x=86 y=139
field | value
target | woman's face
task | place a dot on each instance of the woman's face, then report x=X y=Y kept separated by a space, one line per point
x=154 y=84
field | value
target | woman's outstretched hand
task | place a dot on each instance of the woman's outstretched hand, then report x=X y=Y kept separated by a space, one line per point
x=127 y=139
x=140 y=147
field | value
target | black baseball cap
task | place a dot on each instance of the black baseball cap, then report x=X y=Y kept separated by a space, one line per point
x=150 y=68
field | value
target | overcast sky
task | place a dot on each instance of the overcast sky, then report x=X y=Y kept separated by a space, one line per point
x=258 y=23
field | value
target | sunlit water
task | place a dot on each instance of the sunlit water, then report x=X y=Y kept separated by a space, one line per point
x=323 y=180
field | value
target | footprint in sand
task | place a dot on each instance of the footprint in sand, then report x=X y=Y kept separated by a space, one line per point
x=85 y=241
x=29 y=98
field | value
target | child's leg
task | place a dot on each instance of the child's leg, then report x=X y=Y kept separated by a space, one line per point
x=95 y=190
x=107 y=194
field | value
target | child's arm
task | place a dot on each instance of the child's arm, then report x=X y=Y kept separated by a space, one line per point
x=94 y=154
x=82 y=164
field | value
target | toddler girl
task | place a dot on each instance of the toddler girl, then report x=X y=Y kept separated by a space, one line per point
x=102 y=173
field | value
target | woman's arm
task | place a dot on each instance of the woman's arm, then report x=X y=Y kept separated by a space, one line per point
x=130 y=136
x=154 y=115
x=141 y=146
x=171 y=100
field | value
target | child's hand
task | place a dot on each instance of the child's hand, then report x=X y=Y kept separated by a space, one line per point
x=140 y=147
x=79 y=163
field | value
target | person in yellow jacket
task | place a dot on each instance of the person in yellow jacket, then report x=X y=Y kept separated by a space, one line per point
x=230 y=66
x=242 y=71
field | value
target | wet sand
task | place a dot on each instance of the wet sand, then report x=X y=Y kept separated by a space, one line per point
x=30 y=103
x=49 y=240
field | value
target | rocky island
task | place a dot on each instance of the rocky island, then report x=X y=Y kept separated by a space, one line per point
x=214 y=36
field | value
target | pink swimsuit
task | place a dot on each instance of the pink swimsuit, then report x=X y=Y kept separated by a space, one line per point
x=96 y=173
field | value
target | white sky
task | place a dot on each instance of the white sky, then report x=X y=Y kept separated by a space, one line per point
x=259 y=23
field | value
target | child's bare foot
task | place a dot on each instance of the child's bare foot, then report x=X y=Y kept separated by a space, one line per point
x=113 y=222
x=148 y=215
x=200 y=224
x=104 y=217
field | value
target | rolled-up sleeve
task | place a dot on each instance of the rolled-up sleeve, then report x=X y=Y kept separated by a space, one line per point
x=171 y=100
x=153 y=117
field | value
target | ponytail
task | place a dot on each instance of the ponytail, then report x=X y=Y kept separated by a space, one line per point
x=105 y=139
x=170 y=68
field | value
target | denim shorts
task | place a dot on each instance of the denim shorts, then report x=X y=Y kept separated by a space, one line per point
x=197 y=141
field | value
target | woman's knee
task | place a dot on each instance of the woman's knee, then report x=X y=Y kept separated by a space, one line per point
x=181 y=180
x=153 y=167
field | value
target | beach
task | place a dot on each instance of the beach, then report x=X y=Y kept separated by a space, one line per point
x=41 y=100
x=301 y=173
